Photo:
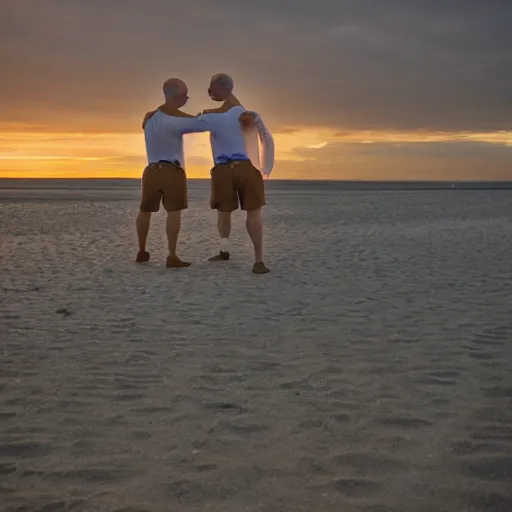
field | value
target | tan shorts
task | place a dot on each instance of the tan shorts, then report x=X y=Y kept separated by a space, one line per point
x=163 y=182
x=237 y=183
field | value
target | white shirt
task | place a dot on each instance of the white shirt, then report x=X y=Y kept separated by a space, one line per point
x=226 y=137
x=164 y=136
x=260 y=146
x=229 y=142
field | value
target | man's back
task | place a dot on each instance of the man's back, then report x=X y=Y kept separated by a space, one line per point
x=164 y=135
x=226 y=136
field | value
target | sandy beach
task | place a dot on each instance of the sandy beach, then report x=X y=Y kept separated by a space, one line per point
x=370 y=371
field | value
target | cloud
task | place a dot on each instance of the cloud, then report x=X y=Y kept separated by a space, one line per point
x=453 y=150
x=350 y=88
x=416 y=161
x=353 y=64
x=303 y=154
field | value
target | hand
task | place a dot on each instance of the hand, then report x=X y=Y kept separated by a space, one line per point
x=147 y=117
x=247 y=120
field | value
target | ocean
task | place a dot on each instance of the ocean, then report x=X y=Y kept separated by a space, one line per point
x=370 y=371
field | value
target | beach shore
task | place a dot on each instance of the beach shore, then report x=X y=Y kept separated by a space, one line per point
x=369 y=371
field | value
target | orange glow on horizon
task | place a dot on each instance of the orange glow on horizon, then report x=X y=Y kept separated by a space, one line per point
x=33 y=153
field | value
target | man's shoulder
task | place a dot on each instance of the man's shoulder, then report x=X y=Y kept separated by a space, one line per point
x=175 y=113
x=148 y=116
x=181 y=114
x=213 y=111
x=223 y=109
x=174 y=116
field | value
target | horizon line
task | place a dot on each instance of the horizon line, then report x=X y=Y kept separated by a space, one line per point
x=363 y=180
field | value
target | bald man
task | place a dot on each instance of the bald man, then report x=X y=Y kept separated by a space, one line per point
x=235 y=181
x=164 y=180
x=172 y=136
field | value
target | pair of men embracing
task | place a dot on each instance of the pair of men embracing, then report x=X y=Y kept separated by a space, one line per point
x=236 y=177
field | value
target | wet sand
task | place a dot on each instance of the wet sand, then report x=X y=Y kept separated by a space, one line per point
x=369 y=372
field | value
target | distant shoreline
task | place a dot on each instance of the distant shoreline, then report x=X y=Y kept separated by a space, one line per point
x=365 y=185
x=272 y=180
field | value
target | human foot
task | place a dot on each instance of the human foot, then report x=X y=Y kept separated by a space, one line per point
x=142 y=257
x=175 y=262
x=222 y=256
x=260 y=268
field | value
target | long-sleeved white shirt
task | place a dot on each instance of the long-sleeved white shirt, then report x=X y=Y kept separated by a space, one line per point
x=164 y=136
x=230 y=142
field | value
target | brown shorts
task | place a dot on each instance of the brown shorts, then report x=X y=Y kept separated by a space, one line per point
x=236 y=182
x=163 y=182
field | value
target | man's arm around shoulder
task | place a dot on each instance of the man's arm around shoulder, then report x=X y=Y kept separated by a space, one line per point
x=193 y=124
x=212 y=111
x=178 y=114
x=148 y=116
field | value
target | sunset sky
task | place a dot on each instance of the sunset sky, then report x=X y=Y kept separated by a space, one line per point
x=351 y=89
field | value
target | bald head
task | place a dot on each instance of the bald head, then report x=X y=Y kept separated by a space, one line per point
x=175 y=92
x=221 y=86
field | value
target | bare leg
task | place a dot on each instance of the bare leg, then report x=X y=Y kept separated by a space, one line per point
x=254 y=224
x=142 y=223
x=224 y=228
x=224 y=224
x=173 y=226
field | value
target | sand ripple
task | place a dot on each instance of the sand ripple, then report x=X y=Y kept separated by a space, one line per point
x=370 y=371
